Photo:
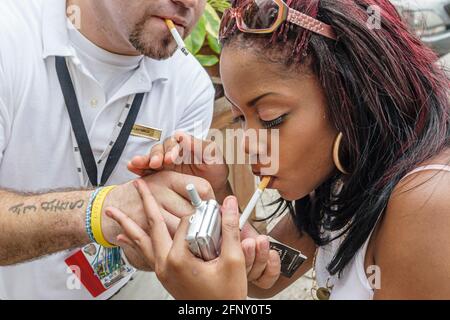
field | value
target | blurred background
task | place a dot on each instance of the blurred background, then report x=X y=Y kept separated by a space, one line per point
x=429 y=20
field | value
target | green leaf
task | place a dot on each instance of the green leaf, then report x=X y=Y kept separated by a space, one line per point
x=220 y=5
x=207 y=60
x=197 y=38
x=213 y=44
x=212 y=21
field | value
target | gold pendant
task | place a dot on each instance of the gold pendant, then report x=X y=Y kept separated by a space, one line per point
x=323 y=293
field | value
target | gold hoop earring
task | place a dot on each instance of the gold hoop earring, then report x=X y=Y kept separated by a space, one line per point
x=336 y=147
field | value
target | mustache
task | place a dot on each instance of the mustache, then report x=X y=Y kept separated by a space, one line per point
x=173 y=10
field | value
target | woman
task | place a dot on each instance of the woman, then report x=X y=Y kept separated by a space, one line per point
x=364 y=132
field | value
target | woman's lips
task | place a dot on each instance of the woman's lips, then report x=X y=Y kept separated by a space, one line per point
x=272 y=179
x=271 y=183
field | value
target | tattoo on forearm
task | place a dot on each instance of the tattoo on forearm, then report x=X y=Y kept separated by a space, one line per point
x=57 y=205
x=21 y=208
x=54 y=205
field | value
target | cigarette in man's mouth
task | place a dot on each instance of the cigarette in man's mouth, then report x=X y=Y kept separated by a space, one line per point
x=253 y=201
x=177 y=36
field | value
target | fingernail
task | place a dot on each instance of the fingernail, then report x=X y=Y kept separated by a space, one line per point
x=249 y=249
x=231 y=204
x=154 y=159
x=265 y=244
x=108 y=213
x=135 y=183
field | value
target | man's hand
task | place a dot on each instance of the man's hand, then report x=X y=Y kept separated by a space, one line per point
x=185 y=154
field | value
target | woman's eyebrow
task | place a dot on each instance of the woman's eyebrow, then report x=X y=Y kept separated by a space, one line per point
x=253 y=102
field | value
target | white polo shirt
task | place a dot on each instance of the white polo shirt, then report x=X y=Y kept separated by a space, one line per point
x=36 y=150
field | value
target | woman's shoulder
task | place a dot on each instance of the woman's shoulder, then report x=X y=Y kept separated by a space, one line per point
x=434 y=171
x=423 y=190
x=429 y=186
x=412 y=242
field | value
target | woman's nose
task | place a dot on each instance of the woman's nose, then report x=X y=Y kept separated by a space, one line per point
x=250 y=143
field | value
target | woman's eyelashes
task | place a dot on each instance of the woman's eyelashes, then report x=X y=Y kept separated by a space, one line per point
x=266 y=124
x=274 y=123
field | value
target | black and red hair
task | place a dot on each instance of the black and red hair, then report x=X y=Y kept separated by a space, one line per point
x=385 y=92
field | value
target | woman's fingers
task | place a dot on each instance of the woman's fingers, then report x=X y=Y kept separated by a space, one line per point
x=180 y=246
x=171 y=220
x=134 y=233
x=248 y=231
x=249 y=248
x=159 y=234
x=261 y=258
x=271 y=272
x=231 y=243
x=123 y=239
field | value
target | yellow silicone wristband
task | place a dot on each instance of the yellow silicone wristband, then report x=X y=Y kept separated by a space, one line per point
x=96 y=217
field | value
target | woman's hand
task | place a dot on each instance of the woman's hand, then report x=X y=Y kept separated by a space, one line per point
x=182 y=274
x=188 y=155
x=263 y=265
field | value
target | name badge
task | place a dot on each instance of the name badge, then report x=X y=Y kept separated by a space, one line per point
x=146 y=132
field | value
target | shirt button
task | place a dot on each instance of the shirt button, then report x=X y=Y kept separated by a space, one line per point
x=94 y=103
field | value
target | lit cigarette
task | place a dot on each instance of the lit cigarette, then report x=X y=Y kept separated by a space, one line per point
x=253 y=201
x=177 y=37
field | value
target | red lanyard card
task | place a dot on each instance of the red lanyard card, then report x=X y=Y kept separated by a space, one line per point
x=99 y=268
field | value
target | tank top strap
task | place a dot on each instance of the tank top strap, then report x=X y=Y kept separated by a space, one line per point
x=437 y=167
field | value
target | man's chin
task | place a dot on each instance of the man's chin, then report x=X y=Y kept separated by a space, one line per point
x=158 y=46
x=160 y=55
x=162 y=52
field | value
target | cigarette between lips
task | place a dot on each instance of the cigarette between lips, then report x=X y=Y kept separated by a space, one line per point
x=177 y=36
x=253 y=201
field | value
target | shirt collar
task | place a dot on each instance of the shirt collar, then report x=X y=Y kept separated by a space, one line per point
x=55 y=40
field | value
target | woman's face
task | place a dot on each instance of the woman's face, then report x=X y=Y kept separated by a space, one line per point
x=263 y=96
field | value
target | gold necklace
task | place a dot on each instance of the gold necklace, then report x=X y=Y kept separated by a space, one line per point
x=320 y=293
x=324 y=293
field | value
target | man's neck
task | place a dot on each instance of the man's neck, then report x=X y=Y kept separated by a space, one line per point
x=94 y=27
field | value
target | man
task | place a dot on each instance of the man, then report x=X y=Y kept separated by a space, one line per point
x=115 y=52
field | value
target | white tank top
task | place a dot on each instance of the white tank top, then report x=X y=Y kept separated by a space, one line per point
x=353 y=283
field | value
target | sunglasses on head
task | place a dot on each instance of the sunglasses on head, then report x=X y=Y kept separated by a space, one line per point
x=266 y=16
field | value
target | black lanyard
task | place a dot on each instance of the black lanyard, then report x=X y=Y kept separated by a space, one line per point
x=79 y=128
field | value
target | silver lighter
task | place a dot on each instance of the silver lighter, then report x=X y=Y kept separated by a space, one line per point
x=205 y=227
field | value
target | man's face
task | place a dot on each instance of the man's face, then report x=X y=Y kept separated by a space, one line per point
x=141 y=22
